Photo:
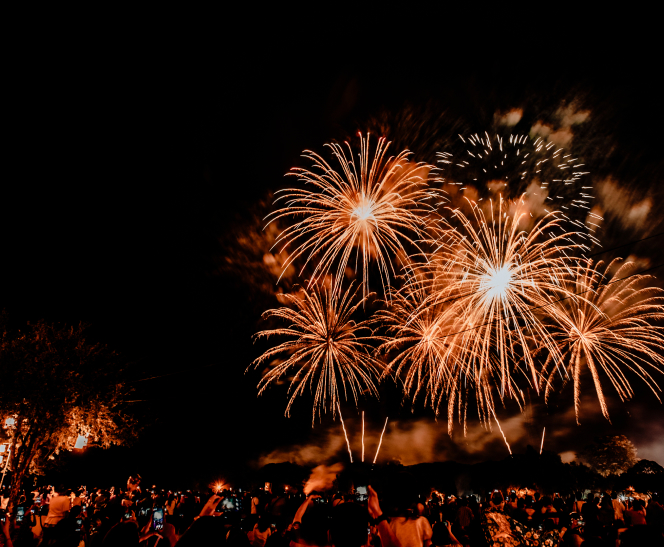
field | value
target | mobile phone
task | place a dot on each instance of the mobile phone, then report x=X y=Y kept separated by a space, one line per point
x=361 y=493
x=581 y=523
x=143 y=511
x=127 y=515
x=79 y=525
x=229 y=503
x=158 y=518
x=20 y=513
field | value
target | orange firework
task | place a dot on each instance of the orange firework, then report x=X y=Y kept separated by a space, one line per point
x=487 y=282
x=421 y=356
x=326 y=349
x=372 y=207
x=612 y=326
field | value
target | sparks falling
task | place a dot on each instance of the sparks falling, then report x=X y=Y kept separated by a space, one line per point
x=380 y=440
x=363 y=435
x=343 y=426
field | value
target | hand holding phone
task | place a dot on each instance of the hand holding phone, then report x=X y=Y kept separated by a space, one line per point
x=158 y=519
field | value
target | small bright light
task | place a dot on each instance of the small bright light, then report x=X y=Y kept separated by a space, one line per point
x=496 y=282
x=3 y=447
x=81 y=442
x=364 y=210
x=10 y=422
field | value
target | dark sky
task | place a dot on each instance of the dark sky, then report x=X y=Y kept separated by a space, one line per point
x=134 y=167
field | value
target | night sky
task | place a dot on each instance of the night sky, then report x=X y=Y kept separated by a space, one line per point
x=136 y=170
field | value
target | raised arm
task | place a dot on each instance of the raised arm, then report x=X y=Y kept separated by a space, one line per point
x=387 y=537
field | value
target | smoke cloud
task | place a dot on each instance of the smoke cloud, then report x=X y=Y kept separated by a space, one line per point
x=322 y=478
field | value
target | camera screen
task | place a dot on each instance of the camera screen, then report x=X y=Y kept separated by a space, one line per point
x=79 y=524
x=361 y=493
x=231 y=503
x=158 y=519
x=20 y=512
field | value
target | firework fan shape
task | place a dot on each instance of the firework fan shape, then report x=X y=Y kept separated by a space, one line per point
x=372 y=207
x=327 y=350
x=516 y=165
x=610 y=327
x=421 y=354
x=495 y=281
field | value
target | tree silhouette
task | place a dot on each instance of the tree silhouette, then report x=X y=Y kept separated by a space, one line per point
x=611 y=454
x=55 y=387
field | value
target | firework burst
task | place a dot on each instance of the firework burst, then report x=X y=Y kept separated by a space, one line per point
x=327 y=350
x=373 y=207
x=421 y=356
x=610 y=327
x=492 y=281
x=544 y=176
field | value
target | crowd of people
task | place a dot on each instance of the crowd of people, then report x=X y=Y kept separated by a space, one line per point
x=132 y=516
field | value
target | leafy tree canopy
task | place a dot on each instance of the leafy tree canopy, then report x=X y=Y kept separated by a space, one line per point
x=55 y=387
x=611 y=454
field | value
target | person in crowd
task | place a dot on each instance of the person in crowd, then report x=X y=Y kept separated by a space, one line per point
x=171 y=504
x=463 y=520
x=618 y=507
x=572 y=532
x=519 y=514
x=411 y=528
x=547 y=512
x=261 y=531
x=58 y=509
x=606 y=514
x=497 y=500
x=578 y=503
x=636 y=514
x=123 y=534
x=255 y=503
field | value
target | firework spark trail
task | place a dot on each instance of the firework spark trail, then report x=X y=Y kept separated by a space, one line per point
x=363 y=435
x=501 y=431
x=614 y=325
x=350 y=454
x=326 y=347
x=374 y=210
x=381 y=440
x=542 y=445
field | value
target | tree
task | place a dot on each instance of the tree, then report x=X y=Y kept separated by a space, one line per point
x=55 y=387
x=611 y=455
x=645 y=476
